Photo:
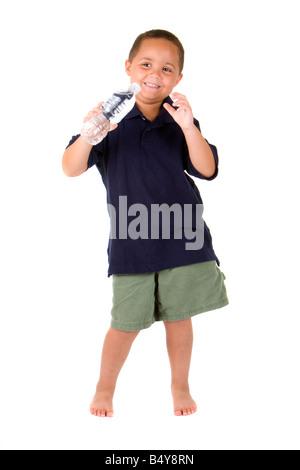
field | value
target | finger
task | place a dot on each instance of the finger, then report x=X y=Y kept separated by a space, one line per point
x=182 y=108
x=88 y=117
x=176 y=95
x=175 y=112
x=170 y=110
x=180 y=102
x=97 y=110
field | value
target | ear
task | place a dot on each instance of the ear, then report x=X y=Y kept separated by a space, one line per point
x=128 y=67
x=178 y=80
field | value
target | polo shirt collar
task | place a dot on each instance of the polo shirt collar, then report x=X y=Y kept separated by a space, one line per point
x=163 y=116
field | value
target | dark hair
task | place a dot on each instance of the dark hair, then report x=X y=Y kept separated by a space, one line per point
x=158 y=34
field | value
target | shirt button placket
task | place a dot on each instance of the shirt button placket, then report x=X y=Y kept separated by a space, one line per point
x=146 y=135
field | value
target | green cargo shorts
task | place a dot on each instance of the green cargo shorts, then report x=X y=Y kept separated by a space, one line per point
x=169 y=295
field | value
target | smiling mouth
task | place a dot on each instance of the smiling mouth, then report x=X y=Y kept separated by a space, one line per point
x=151 y=85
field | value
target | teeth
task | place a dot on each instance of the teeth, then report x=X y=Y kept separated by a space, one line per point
x=151 y=85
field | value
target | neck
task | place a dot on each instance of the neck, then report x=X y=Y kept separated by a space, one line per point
x=149 y=110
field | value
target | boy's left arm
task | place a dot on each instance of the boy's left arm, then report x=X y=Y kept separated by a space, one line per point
x=200 y=152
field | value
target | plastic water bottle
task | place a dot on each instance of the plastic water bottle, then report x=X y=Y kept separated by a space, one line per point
x=114 y=109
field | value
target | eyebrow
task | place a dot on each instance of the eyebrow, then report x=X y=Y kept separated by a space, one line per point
x=147 y=58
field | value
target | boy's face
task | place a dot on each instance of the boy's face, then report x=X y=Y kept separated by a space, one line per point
x=156 y=69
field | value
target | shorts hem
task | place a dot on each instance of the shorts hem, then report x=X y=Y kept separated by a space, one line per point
x=184 y=316
x=134 y=326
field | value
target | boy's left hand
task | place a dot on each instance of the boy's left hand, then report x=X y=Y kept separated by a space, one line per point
x=184 y=114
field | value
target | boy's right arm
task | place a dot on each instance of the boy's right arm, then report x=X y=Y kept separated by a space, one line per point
x=75 y=157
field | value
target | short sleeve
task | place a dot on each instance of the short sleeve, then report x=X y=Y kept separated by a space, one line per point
x=95 y=153
x=189 y=167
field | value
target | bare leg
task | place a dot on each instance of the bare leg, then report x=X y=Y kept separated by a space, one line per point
x=179 y=337
x=116 y=347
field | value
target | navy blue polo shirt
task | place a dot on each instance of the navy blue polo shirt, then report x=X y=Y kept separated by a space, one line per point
x=144 y=165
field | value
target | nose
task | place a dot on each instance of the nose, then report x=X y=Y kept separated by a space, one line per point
x=155 y=72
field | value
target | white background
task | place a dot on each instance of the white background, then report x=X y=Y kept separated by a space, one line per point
x=58 y=60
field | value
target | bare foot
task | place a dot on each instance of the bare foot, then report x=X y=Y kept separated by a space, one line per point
x=183 y=403
x=102 y=405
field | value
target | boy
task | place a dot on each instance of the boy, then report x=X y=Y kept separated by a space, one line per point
x=142 y=161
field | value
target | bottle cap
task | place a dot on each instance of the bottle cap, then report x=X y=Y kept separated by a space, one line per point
x=134 y=88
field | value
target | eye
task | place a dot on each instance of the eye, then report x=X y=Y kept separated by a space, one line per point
x=166 y=69
x=146 y=65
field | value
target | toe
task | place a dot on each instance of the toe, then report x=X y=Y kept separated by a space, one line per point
x=177 y=412
x=93 y=411
x=110 y=414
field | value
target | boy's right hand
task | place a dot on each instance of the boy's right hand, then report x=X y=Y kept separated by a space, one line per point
x=95 y=112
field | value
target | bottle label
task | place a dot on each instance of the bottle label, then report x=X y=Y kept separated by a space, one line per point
x=115 y=104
